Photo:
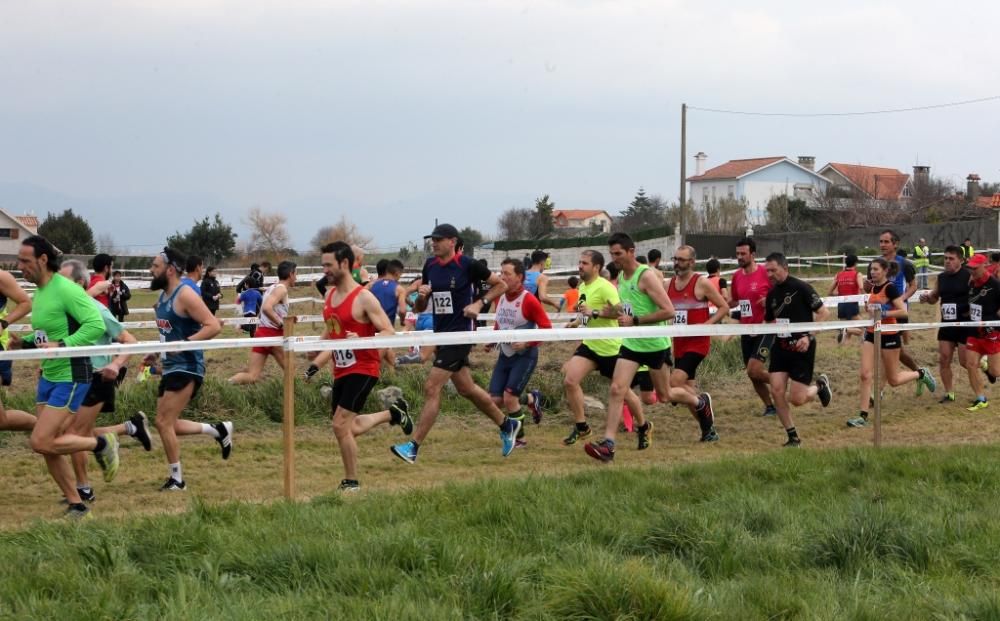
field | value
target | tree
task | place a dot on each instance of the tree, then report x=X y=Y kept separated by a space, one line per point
x=642 y=213
x=68 y=232
x=106 y=243
x=515 y=223
x=210 y=240
x=471 y=237
x=268 y=233
x=542 y=223
x=344 y=230
x=729 y=215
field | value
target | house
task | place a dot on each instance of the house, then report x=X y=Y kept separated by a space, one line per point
x=584 y=219
x=872 y=182
x=755 y=182
x=13 y=229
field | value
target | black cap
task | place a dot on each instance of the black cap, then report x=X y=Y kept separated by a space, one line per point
x=443 y=230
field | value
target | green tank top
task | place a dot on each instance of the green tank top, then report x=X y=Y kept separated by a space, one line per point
x=635 y=302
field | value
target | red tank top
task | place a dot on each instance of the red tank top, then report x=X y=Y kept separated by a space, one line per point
x=339 y=321
x=689 y=311
x=847 y=282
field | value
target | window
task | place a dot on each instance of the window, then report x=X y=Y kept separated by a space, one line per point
x=731 y=191
x=8 y=234
x=704 y=195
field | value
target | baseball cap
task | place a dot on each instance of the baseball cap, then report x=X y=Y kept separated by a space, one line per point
x=977 y=260
x=443 y=230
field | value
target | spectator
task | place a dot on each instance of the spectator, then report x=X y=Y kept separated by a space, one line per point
x=211 y=292
x=253 y=280
x=921 y=261
x=118 y=296
x=967 y=250
x=571 y=297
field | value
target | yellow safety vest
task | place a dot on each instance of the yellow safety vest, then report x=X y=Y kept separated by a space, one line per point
x=920 y=257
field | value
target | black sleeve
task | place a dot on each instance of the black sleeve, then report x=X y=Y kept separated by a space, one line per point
x=126 y=292
x=909 y=272
x=891 y=292
x=478 y=271
x=722 y=283
x=768 y=308
x=241 y=285
x=815 y=302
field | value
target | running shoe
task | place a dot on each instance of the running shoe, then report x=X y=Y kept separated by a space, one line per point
x=77 y=512
x=225 y=438
x=601 y=451
x=770 y=410
x=309 y=373
x=825 y=391
x=645 y=435
x=949 y=397
x=508 y=439
x=859 y=421
x=349 y=486
x=173 y=485
x=407 y=451
x=536 y=406
x=795 y=442
x=928 y=379
x=710 y=436
x=576 y=434
x=141 y=425
x=408 y=359
x=978 y=404
x=107 y=458
x=86 y=494
x=400 y=412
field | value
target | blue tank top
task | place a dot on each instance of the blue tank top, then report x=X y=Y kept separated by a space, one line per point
x=385 y=292
x=174 y=327
x=900 y=279
x=531 y=281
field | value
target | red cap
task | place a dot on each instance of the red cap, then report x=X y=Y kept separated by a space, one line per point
x=977 y=260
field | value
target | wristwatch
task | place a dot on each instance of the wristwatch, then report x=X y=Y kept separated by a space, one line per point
x=594 y=314
x=4 y=323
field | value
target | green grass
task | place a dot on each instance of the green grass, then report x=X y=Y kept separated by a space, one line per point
x=852 y=534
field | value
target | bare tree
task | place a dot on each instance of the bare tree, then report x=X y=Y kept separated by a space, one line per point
x=515 y=223
x=268 y=232
x=343 y=230
x=106 y=243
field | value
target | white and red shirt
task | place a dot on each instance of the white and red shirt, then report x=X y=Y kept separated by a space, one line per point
x=519 y=310
x=751 y=291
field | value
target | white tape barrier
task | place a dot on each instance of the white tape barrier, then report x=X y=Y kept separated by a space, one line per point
x=232 y=306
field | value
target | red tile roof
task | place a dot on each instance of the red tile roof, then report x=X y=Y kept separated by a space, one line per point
x=29 y=221
x=736 y=168
x=879 y=183
x=578 y=214
x=988 y=201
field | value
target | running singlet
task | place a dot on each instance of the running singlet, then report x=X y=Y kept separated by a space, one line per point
x=339 y=321
x=384 y=290
x=173 y=328
x=187 y=280
x=522 y=312
x=883 y=295
x=847 y=282
x=984 y=303
x=596 y=295
x=452 y=284
x=689 y=311
x=953 y=290
x=572 y=297
x=751 y=290
x=280 y=309
x=531 y=281
x=251 y=299
x=62 y=311
x=95 y=279
x=635 y=302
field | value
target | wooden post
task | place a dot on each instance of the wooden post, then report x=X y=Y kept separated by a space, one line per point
x=877 y=379
x=288 y=413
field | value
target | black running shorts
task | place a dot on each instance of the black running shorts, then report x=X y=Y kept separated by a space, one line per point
x=102 y=392
x=756 y=346
x=605 y=364
x=798 y=365
x=176 y=382
x=689 y=363
x=452 y=357
x=651 y=359
x=351 y=391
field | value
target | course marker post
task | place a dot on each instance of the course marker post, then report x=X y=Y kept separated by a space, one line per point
x=877 y=380
x=288 y=412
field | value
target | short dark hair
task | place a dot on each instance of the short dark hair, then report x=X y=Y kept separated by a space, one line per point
x=613 y=270
x=595 y=257
x=749 y=242
x=102 y=261
x=116 y=273
x=285 y=269
x=517 y=265
x=850 y=260
x=381 y=267
x=40 y=246
x=539 y=256
x=892 y=235
x=395 y=267
x=953 y=249
x=173 y=257
x=968 y=239
x=641 y=258
x=713 y=266
x=654 y=255
x=995 y=257
x=573 y=282
x=778 y=258
x=341 y=252
x=192 y=263
x=254 y=267
x=621 y=239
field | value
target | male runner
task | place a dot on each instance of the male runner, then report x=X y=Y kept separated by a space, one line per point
x=691 y=295
x=984 y=305
x=952 y=289
x=905 y=281
x=750 y=288
x=273 y=311
x=449 y=280
x=536 y=282
x=193 y=268
x=103 y=264
x=14 y=420
x=181 y=315
x=351 y=311
x=848 y=281
x=644 y=302
x=793 y=355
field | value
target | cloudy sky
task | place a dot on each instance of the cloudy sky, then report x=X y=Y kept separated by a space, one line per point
x=143 y=116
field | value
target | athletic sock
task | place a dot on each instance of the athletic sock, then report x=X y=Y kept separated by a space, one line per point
x=101 y=444
x=582 y=426
x=83 y=488
x=176 y=473
x=129 y=428
x=609 y=443
x=863 y=414
x=792 y=434
x=920 y=373
x=519 y=416
x=209 y=430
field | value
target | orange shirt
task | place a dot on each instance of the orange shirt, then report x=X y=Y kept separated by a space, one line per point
x=572 y=297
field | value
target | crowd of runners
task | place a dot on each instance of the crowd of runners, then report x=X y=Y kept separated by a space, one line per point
x=72 y=307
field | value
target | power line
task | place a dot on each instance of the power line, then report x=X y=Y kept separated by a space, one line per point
x=864 y=113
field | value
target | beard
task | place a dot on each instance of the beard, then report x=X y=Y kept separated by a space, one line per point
x=159 y=283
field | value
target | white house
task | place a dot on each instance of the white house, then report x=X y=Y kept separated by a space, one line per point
x=875 y=182
x=581 y=219
x=755 y=181
x=13 y=229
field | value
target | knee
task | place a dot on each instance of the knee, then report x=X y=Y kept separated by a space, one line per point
x=866 y=375
x=162 y=424
x=797 y=400
x=41 y=445
x=341 y=426
x=466 y=390
x=570 y=382
x=432 y=391
x=618 y=390
x=510 y=401
x=649 y=398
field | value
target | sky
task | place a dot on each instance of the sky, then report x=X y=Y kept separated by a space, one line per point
x=145 y=116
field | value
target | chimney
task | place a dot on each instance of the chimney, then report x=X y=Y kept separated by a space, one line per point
x=807 y=161
x=921 y=175
x=972 y=187
x=699 y=163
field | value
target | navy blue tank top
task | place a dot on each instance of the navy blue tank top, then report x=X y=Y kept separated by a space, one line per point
x=385 y=291
x=174 y=327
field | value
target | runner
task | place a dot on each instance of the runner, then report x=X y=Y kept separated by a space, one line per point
x=101 y=278
x=272 y=323
x=181 y=315
x=253 y=280
x=848 y=281
x=449 y=280
x=358 y=272
x=598 y=299
x=749 y=293
x=13 y=420
x=250 y=300
x=885 y=294
x=984 y=304
x=392 y=298
x=905 y=280
x=350 y=311
x=691 y=295
x=517 y=309
x=793 y=355
x=536 y=282
x=952 y=289
x=108 y=374
x=643 y=303
x=714 y=269
x=194 y=267
x=62 y=315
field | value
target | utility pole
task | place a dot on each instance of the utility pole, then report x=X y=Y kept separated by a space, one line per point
x=680 y=224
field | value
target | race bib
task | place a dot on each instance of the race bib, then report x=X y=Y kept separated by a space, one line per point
x=41 y=337
x=745 y=311
x=783 y=322
x=681 y=318
x=975 y=312
x=443 y=304
x=584 y=319
x=344 y=358
x=949 y=312
x=627 y=308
